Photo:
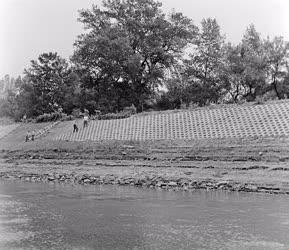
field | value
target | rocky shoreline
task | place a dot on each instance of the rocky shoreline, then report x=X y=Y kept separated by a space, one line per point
x=146 y=181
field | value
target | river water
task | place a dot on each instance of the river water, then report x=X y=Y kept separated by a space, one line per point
x=54 y=216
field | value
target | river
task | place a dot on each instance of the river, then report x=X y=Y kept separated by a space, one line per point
x=55 y=216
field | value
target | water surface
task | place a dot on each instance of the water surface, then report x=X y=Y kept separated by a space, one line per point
x=54 y=216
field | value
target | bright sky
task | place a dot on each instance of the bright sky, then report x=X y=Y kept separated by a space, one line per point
x=31 y=27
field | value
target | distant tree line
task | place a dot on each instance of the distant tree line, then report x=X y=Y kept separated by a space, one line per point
x=132 y=53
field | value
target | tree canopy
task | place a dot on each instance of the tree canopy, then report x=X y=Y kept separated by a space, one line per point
x=131 y=52
x=127 y=47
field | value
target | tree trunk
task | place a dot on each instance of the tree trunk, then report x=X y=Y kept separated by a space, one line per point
x=274 y=83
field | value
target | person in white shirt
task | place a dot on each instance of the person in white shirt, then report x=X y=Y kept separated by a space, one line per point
x=85 y=120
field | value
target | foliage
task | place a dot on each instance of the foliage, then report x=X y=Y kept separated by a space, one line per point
x=164 y=102
x=49 y=117
x=7 y=84
x=8 y=106
x=125 y=113
x=205 y=63
x=133 y=57
x=277 y=54
x=111 y=116
x=126 y=48
x=219 y=72
x=131 y=109
x=51 y=82
x=76 y=112
x=253 y=54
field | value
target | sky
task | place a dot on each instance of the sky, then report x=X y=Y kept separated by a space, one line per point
x=31 y=27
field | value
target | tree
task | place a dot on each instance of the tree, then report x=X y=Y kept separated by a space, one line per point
x=8 y=93
x=126 y=48
x=6 y=84
x=205 y=63
x=23 y=101
x=51 y=82
x=178 y=87
x=254 y=59
x=233 y=72
x=277 y=56
x=26 y=100
x=244 y=68
x=285 y=83
x=8 y=106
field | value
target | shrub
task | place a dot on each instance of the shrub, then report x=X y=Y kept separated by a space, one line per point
x=131 y=109
x=86 y=112
x=49 y=117
x=111 y=116
x=66 y=117
x=76 y=113
x=259 y=100
x=126 y=113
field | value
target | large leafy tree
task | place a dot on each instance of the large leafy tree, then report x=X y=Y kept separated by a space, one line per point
x=245 y=67
x=126 y=47
x=232 y=73
x=254 y=58
x=51 y=82
x=205 y=64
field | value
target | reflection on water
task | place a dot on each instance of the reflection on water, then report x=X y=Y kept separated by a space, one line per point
x=46 y=216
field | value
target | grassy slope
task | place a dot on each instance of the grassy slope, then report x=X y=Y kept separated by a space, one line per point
x=16 y=138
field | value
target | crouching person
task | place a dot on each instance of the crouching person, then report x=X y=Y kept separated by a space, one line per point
x=32 y=135
x=27 y=136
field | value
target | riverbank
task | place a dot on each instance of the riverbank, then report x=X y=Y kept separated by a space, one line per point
x=147 y=181
x=248 y=164
x=237 y=148
x=251 y=165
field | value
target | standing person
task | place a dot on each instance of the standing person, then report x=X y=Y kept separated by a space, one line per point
x=27 y=136
x=75 y=128
x=24 y=118
x=85 y=120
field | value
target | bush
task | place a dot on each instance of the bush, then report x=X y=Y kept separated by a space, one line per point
x=49 y=117
x=259 y=100
x=126 y=113
x=76 y=112
x=66 y=117
x=131 y=109
x=111 y=116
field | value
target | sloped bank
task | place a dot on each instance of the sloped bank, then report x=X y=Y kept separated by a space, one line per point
x=146 y=181
x=250 y=120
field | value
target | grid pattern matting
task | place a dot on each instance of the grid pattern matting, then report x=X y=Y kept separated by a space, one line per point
x=267 y=120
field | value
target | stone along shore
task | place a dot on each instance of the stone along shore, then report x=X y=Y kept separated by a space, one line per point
x=147 y=181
